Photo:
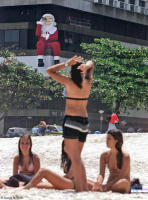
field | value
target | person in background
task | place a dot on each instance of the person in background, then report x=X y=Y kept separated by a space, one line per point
x=113 y=120
x=42 y=127
x=118 y=163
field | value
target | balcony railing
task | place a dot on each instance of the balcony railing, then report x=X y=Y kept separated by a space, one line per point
x=124 y=6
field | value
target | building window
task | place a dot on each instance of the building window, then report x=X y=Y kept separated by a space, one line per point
x=132 y=2
x=70 y=41
x=17 y=39
x=78 y=21
x=12 y=39
x=142 y=3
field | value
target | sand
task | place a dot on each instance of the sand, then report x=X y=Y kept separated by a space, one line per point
x=49 y=150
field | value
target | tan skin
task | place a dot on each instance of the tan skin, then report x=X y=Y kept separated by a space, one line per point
x=73 y=147
x=119 y=180
x=55 y=181
x=25 y=147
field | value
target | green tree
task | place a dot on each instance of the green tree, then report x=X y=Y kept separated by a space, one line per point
x=23 y=88
x=120 y=75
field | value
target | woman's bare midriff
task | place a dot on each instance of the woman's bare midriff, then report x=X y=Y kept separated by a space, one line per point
x=76 y=108
x=114 y=174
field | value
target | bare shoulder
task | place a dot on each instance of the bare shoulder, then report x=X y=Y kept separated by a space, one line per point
x=105 y=155
x=16 y=157
x=36 y=157
x=126 y=155
x=16 y=160
x=67 y=81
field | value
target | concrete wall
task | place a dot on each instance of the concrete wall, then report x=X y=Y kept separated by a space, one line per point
x=32 y=61
x=87 y=6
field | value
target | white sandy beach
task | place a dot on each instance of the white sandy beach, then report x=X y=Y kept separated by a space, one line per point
x=49 y=150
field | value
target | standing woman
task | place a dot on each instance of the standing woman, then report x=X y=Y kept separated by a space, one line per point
x=75 y=125
x=118 y=163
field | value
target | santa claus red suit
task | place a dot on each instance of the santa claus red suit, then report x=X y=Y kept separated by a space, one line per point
x=48 y=38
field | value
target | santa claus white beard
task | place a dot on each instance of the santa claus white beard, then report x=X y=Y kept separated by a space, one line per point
x=47 y=28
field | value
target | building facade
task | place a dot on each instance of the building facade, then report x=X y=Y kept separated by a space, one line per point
x=78 y=21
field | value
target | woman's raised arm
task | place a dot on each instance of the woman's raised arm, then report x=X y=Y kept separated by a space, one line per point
x=52 y=71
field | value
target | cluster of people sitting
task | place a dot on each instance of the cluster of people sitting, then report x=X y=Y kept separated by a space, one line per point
x=26 y=168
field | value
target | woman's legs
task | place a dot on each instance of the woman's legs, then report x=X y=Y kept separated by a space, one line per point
x=45 y=185
x=85 y=183
x=122 y=186
x=58 y=182
x=2 y=182
x=73 y=148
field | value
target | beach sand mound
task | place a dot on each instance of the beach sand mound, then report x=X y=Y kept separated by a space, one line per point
x=49 y=150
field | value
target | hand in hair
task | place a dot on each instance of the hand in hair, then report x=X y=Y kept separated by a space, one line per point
x=83 y=68
x=87 y=69
x=74 y=60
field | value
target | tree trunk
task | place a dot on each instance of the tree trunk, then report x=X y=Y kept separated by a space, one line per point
x=117 y=107
x=2 y=115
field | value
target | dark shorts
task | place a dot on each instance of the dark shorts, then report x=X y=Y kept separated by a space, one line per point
x=75 y=127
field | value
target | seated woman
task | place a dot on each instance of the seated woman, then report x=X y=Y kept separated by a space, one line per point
x=56 y=181
x=25 y=164
x=118 y=163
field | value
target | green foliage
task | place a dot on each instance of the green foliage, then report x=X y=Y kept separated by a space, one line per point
x=21 y=87
x=120 y=75
x=5 y=53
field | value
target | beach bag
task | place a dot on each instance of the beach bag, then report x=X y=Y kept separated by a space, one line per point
x=135 y=184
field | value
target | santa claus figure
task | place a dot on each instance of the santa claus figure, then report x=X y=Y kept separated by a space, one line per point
x=48 y=38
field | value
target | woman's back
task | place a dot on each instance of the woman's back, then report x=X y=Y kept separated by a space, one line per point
x=77 y=98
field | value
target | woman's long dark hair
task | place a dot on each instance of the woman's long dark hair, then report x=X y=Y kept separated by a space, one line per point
x=30 y=150
x=65 y=160
x=117 y=135
x=76 y=75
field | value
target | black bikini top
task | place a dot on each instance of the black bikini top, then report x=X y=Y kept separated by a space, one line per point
x=79 y=99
